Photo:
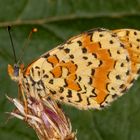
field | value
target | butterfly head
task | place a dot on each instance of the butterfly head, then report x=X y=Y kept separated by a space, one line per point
x=15 y=72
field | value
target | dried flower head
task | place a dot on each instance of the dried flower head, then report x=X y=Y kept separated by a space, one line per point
x=45 y=117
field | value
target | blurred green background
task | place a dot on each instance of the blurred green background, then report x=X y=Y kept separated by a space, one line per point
x=58 y=20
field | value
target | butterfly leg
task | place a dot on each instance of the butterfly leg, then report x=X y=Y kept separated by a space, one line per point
x=21 y=92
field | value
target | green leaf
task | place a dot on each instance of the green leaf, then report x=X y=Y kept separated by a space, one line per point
x=57 y=21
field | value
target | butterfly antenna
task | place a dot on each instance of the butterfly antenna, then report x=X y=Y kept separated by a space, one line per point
x=12 y=44
x=26 y=44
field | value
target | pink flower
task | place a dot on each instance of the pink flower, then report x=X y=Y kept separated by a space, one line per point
x=45 y=117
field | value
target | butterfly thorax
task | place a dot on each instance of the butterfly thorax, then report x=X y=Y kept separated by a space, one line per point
x=27 y=81
x=33 y=81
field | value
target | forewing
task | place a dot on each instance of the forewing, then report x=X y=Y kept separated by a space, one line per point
x=131 y=41
x=88 y=71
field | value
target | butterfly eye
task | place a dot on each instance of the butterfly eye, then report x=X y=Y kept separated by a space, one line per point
x=16 y=70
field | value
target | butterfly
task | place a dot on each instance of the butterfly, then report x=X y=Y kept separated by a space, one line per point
x=89 y=70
